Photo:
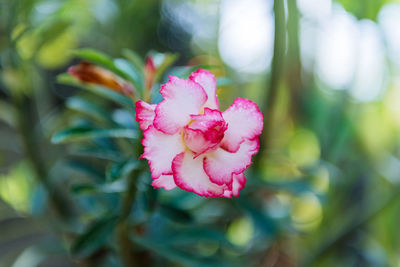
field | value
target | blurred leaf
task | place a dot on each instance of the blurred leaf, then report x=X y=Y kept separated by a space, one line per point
x=94 y=237
x=97 y=152
x=99 y=90
x=190 y=236
x=134 y=58
x=87 y=133
x=260 y=219
x=7 y=113
x=135 y=75
x=86 y=169
x=184 y=72
x=293 y=186
x=87 y=108
x=224 y=81
x=367 y=9
x=121 y=169
x=167 y=61
x=96 y=57
x=120 y=66
x=182 y=257
x=109 y=188
x=176 y=214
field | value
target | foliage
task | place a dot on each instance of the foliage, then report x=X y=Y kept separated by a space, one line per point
x=323 y=190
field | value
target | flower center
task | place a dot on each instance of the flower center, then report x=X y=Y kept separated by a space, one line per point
x=205 y=131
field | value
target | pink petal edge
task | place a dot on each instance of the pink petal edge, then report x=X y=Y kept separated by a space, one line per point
x=164 y=181
x=189 y=175
x=144 y=114
x=207 y=80
x=159 y=150
x=245 y=122
x=181 y=99
x=221 y=165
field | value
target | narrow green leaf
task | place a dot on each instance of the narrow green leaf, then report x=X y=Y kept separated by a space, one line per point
x=260 y=219
x=121 y=67
x=94 y=56
x=176 y=214
x=83 y=106
x=121 y=169
x=99 y=153
x=94 y=237
x=7 y=113
x=134 y=58
x=180 y=256
x=224 y=81
x=90 y=189
x=99 y=90
x=134 y=75
x=166 y=61
x=87 y=133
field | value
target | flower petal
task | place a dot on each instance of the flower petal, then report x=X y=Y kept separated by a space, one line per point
x=181 y=99
x=205 y=132
x=164 y=181
x=207 y=80
x=238 y=183
x=245 y=121
x=160 y=149
x=144 y=114
x=190 y=176
x=220 y=165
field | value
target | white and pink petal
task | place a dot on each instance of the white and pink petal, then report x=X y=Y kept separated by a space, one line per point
x=245 y=122
x=144 y=114
x=189 y=175
x=221 y=165
x=160 y=149
x=181 y=99
x=164 y=181
x=207 y=80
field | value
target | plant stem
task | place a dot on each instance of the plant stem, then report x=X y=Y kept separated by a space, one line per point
x=293 y=63
x=32 y=151
x=276 y=74
x=122 y=231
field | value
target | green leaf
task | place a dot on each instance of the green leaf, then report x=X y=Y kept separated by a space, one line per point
x=99 y=153
x=94 y=237
x=109 y=188
x=7 y=113
x=224 y=81
x=99 y=90
x=134 y=58
x=166 y=62
x=176 y=214
x=82 y=105
x=184 y=72
x=121 y=67
x=180 y=256
x=96 y=57
x=121 y=169
x=184 y=237
x=87 y=133
x=85 y=169
x=135 y=75
x=260 y=219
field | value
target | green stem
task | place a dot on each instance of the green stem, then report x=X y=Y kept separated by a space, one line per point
x=293 y=74
x=276 y=74
x=32 y=152
x=126 y=247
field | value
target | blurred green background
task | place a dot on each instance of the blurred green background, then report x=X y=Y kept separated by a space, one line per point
x=323 y=191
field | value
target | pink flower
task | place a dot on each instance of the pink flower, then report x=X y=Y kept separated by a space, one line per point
x=189 y=143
